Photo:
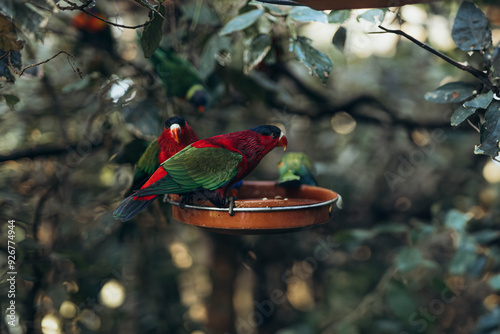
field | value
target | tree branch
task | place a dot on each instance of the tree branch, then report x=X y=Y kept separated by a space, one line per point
x=75 y=69
x=42 y=151
x=475 y=72
x=86 y=4
x=116 y=24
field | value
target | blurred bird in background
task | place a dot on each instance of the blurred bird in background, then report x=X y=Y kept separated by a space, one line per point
x=296 y=169
x=180 y=78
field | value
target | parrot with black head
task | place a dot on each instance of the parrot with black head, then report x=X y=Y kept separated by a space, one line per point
x=176 y=135
x=180 y=78
x=296 y=169
x=206 y=169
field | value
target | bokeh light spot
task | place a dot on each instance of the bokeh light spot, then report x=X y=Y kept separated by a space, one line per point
x=112 y=294
x=51 y=324
x=491 y=172
x=343 y=123
x=68 y=309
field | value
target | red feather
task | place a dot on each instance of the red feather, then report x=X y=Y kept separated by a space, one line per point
x=169 y=146
x=159 y=174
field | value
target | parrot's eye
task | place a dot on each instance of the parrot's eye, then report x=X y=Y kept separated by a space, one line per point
x=274 y=135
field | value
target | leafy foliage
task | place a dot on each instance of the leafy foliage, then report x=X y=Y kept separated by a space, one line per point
x=490 y=131
x=339 y=38
x=471 y=33
x=11 y=100
x=451 y=92
x=314 y=59
x=29 y=16
x=470 y=30
x=242 y=21
x=307 y=14
x=151 y=37
x=338 y=16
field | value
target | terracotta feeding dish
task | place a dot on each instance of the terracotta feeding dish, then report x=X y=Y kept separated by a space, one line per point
x=262 y=207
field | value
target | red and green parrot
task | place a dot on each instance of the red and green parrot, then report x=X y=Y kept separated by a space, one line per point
x=206 y=169
x=176 y=135
x=180 y=78
x=296 y=169
x=95 y=42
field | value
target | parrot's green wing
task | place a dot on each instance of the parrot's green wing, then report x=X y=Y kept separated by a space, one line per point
x=148 y=162
x=194 y=168
x=176 y=73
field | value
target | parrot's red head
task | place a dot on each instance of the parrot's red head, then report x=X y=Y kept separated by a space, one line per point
x=176 y=135
x=271 y=136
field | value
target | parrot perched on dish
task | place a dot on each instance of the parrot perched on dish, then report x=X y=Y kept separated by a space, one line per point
x=206 y=169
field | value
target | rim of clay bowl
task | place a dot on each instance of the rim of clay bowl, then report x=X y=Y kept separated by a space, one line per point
x=337 y=199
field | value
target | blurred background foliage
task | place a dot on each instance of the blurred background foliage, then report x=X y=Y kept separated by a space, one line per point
x=415 y=249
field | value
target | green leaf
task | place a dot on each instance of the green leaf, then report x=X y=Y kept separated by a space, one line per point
x=339 y=38
x=399 y=301
x=481 y=101
x=495 y=62
x=452 y=92
x=362 y=234
x=488 y=322
x=495 y=282
x=470 y=29
x=421 y=231
x=271 y=7
x=314 y=59
x=11 y=100
x=486 y=236
x=408 y=259
x=151 y=7
x=338 y=16
x=242 y=21
x=456 y=220
x=490 y=131
x=375 y=16
x=390 y=228
x=461 y=114
x=306 y=14
x=215 y=45
x=151 y=37
x=256 y=52
x=464 y=257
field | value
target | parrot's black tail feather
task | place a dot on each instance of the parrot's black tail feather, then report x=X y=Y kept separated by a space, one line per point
x=129 y=207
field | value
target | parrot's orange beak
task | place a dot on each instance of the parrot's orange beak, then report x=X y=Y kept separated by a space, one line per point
x=175 y=130
x=282 y=141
